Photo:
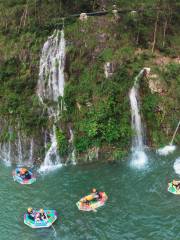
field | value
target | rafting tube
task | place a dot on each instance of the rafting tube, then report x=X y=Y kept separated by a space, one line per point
x=173 y=189
x=51 y=218
x=19 y=179
x=92 y=205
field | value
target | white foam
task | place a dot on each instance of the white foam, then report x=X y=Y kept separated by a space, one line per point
x=176 y=165
x=52 y=160
x=46 y=169
x=166 y=150
x=139 y=159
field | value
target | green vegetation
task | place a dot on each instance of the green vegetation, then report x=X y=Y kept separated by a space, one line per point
x=62 y=142
x=161 y=111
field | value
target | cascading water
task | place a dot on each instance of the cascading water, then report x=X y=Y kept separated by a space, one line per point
x=5 y=153
x=20 y=155
x=19 y=150
x=31 y=151
x=139 y=158
x=169 y=148
x=51 y=72
x=73 y=152
x=51 y=87
x=52 y=159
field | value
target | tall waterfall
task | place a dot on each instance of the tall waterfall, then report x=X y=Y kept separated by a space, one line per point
x=51 y=87
x=51 y=71
x=139 y=158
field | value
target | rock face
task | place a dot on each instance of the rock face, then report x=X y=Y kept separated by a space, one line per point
x=156 y=85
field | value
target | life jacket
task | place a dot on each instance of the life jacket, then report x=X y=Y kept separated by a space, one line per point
x=89 y=197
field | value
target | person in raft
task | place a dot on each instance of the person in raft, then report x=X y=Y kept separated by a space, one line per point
x=96 y=194
x=42 y=215
x=31 y=213
x=24 y=174
x=176 y=184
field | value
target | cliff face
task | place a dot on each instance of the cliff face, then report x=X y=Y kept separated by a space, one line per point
x=103 y=55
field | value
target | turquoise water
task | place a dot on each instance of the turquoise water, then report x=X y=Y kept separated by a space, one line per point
x=139 y=206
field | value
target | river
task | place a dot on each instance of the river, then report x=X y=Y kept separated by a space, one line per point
x=139 y=206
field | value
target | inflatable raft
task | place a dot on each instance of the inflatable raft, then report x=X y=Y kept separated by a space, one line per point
x=51 y=218
x=23 y=180
x=173 y=189
x=92 y=205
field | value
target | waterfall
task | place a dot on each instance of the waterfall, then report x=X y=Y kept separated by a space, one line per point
x=52 y=159
x=31 y=151
x=51 y=71
x=17 y=150
x=139 y=158
x=5 y=153
x=51 y=87
x=169 y=148
x=20 y=155
x=73 y=152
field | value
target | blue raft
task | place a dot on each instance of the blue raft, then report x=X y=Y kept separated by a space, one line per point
x=51 y=218
x=172 y=189
x=23 y=180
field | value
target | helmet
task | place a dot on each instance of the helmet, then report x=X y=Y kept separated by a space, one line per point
x=41 y=210
x=30 y=209
x=93 y=190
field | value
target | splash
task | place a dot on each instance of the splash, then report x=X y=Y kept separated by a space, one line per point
x=52 y=159
x=177 y=165
x=166 y=150
x=139 y=158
